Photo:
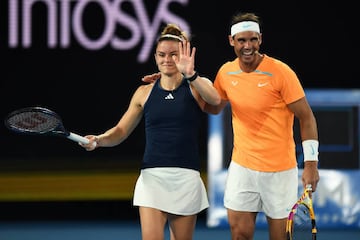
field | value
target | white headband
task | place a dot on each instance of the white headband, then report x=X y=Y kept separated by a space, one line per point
x=171 y=36
x=245 y=26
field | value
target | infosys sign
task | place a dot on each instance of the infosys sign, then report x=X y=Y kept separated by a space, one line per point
x=65 y=22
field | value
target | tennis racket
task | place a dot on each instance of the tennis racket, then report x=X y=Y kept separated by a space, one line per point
x=40 y=121
x=301 y=222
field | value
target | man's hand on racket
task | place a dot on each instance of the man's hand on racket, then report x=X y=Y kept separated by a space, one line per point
x=93 y=143
x=310 y=174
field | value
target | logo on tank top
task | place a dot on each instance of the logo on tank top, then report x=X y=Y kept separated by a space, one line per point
x=169 y=97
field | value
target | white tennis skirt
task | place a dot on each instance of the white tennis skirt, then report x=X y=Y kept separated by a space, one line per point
x=177 y=191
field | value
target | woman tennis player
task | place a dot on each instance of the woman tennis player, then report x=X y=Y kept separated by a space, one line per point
x=169 y=188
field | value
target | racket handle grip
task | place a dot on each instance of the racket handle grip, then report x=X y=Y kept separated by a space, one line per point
x=77 y=138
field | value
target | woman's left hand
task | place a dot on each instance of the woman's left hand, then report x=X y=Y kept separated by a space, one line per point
x=185 y=62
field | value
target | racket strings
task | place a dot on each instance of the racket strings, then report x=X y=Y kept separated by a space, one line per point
x=302 y=223
x=36 y=122
x=302 y=217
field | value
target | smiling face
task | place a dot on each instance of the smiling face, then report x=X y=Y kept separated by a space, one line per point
x=246 y=46
x=166 y=51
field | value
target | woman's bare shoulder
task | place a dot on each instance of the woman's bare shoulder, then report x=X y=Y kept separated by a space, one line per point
x=145 y=88
x=142 y=93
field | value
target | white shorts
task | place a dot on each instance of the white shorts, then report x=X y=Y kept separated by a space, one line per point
x=273 y=193
x=178 y=191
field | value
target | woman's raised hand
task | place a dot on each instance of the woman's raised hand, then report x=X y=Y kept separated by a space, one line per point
x=185 y=62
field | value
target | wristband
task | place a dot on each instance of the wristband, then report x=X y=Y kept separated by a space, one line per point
x=193 y=77
x=310 y=150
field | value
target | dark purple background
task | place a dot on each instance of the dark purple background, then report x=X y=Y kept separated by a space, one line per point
x=91 y=89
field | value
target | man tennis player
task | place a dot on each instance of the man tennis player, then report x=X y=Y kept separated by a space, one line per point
x=265 y=95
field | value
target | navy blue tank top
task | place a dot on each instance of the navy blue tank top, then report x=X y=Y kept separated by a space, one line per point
x=172 y=122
